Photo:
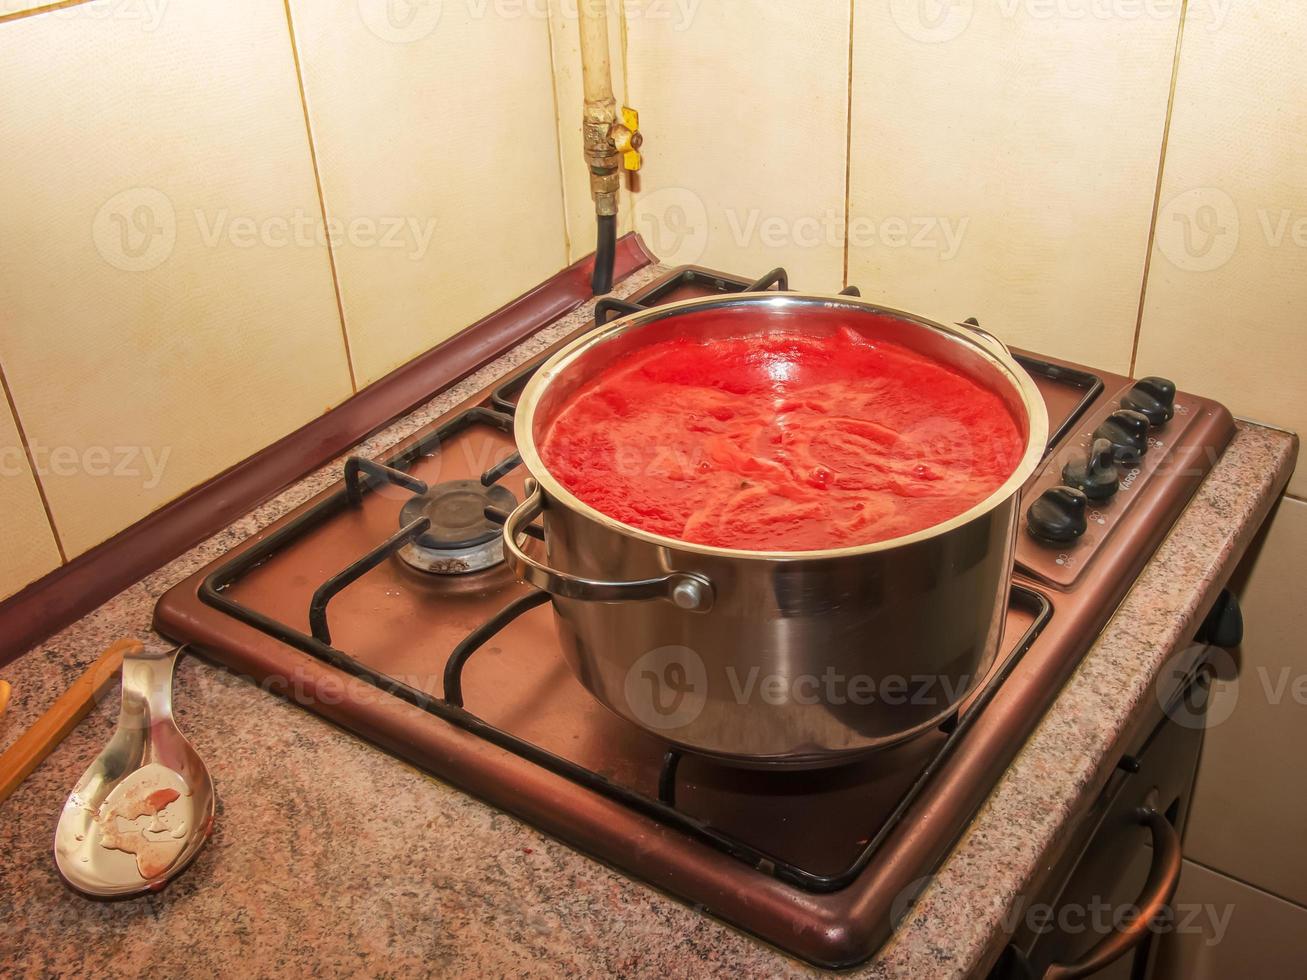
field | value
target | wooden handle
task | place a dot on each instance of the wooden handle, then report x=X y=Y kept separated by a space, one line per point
x=62 y=717
x=4 y=696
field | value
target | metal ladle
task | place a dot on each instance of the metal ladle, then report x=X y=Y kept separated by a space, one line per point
x=145 y=807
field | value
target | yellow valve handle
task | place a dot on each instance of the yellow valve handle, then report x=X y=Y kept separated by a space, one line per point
x=627 y=139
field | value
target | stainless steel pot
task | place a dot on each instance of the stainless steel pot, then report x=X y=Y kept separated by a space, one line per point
x=795 y=659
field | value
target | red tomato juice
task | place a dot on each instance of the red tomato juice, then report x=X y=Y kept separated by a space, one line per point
x=782 y=442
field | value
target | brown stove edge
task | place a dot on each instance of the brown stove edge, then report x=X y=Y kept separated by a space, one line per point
x=1134 y=734
x=74 y=589
x=836 y=929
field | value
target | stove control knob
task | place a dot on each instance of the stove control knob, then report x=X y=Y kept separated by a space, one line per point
x=1058 y=516
x=1153 y=398
x=1095 y=476
x=1127 y=431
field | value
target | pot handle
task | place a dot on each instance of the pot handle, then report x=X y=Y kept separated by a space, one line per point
x=972 y=324
x=685 y=589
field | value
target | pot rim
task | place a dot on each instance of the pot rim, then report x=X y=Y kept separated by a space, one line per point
x=990 y=349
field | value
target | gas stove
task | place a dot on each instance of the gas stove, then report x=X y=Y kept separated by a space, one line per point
x=384 y=605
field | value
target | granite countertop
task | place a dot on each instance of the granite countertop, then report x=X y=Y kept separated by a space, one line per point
x=329 y=856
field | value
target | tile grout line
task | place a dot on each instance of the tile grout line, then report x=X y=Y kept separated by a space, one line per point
x=558 y=140
x=1157 y=187
x=31 y=462
x=1245 y=882
x=848 y=150
x=322 y=199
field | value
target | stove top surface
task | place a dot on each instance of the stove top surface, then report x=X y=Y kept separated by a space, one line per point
x=384 y=606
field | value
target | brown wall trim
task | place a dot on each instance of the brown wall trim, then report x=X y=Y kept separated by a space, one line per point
x=71 y=591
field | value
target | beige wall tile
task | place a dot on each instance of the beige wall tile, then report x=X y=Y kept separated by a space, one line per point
x=745 y=114
x=1020 y=147
x=1250 y=804
x=1228 y=284
x=1226 y=930
x=26 y=540
x=565 y=44
x=436 y=120
x=162 y=322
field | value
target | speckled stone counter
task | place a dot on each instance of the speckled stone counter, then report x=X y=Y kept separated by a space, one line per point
x=331 y=857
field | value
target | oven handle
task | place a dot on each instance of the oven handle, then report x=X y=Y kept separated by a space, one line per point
x=685 y=589
x=1163 y=876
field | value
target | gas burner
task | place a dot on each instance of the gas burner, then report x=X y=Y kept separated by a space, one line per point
x=460 y=539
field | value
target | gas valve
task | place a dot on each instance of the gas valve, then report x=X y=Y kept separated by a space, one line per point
x=627 y=138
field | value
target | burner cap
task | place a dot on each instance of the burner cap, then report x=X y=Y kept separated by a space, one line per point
x=457 y=511
x=460 y=538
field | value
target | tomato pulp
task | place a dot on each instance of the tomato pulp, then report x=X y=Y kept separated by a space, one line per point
x=782 y=441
